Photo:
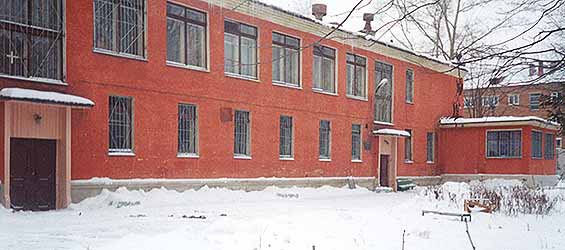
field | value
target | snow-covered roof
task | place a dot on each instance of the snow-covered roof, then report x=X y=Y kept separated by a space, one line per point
x=497 y=120
x=391 y=132
x=44 y=97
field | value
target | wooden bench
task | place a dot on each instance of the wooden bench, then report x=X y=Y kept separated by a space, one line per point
x=486 y=205
x=463 y=216
x=403 y=184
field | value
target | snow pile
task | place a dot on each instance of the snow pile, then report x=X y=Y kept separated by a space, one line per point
x=561 y=184
x=44 y=96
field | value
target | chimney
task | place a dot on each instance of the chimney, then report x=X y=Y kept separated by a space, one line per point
x=540 y=68
x=319 y=10
x=368 y=18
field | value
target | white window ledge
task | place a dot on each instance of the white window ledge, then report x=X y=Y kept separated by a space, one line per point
x=188 y=156
x=430 y=162
x=242 y=77
x=287 y=85
x=242 y=157
x=286 y=159
x=117 y=54
x=321 y=91
x=325 y=160
x=357 y=161
x=409 y=161
x=383 y=123
x=124 y=153
x=185 y=66
x=36 y=79
x=358 y=98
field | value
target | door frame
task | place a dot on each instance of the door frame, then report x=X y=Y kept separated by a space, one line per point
x=20 y=121
x=388 y=145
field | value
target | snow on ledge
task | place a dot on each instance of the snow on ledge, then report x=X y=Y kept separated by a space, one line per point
x=392 y=132
x=44 y=96
x=492 y=119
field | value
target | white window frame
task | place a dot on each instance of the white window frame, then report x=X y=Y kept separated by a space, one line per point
x=486 y=100
x=362 y=98
x=530 y=101
x=514 y=100
x=194 y=154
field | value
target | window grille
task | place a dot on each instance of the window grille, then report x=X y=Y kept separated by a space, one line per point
x=430 y=142
x=324 y=69
x=31 y=38
x=356 y=142
x=383 y=98
x=408 y=147
x=242 y=133
x=240 y=49
x=188 y=129
x=119 y=26
x=536 y=144
x=356 y=76
x=120 y=124
x=504 y=144
x=286 y=59
x=409 y=86
x=549 y=148
x=535 y=101
x=325 y=140
x=186 y=36
x=286 y=137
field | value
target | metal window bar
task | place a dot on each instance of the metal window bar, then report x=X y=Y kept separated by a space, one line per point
x=536 y=144
x=408 y=146
x=325 y=133
x=430 y=142
x=285 y=147
x=31 y=37
x=356 y=142
x=120 y=124
x=549 y=147
x=119 y=26
x=187 y=129
x=242 y=133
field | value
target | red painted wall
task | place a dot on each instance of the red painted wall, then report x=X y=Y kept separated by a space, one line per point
x=464 y=152
x=158 y=89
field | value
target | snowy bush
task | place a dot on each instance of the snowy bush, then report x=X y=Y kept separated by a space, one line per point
x=510 y=198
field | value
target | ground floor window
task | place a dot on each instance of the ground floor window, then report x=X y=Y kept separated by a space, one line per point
x=504 y=144
x=325 y=139
x=356 y=142
x=536 y=144
x=430 y=142
x=188 y=129
x=120 y=124
x=242 y=134
x=286 y=138
x=408 y=147
x=549 y=148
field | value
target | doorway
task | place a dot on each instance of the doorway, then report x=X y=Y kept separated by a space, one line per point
x=383 y=175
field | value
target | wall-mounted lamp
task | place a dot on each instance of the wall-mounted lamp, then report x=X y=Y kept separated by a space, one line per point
x=37 y=118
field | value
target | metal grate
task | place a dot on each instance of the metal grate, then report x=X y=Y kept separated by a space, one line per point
x=120 y=124
x=188 y=129
x=119 y=26
x=242 y=133
x=536 y=144
x=549 y=148
x=356 y=142
x=408 y=146
x=31 y=38
x=286 y=146
x=383 y=98
x=325 y=137
x=430 y=143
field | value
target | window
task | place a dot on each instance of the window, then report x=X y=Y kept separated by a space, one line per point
x=408 y=147
x=188 y=130
x=555 y=96
x=325 y=140
x=409 y=86
x=31 y=39
x=356 y=142
x=536 y=144
x=490 y=101
x=558 y=142
x=535 y=101
x=504 y=144
x=119 y=26
x=242 y=134
x=324 y=69
x=356 y=76
x=469 y=102
x=186 y=36
x=513 y=100
x=430 y=142
x=286 y=60
x=383 y=97
x=286 y=146
x=240 y=49
x=121 y=124
x=549 y=148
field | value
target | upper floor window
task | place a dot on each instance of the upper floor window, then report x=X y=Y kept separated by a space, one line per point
x=469 y=102
x=186 y=36
x=31 y=39
x=356 y=76
x=535 y=101
x=536 y=144
x=240 y=49
x=558 y=142
x=504 y=144
x=325 y=140
x=490 y=101
x=383 y=96
x=549 y=148
x=121 y=124
x=286 y=60
x=324 y=69
x=119 y=26
x=409 y=86
x=188 y=130
x=514 y=100
x=555 y=96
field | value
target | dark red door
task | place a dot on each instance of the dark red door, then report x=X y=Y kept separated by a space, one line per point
x=384 y=170
x=32 y=174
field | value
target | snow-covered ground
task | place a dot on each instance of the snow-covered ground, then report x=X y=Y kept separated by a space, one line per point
x=295 y=218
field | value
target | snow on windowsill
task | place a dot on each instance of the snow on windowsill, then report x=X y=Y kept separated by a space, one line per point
x=44 y=96
x=118 y=153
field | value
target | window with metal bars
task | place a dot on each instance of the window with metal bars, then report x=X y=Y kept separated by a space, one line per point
x=31 y=38
x=430 y=142
x=286 y=60
x=356 y=76
x=383 y=97
x=536 y=144
x=240 y=49
x=504 y=144
x=186 y=36
x=242 y=134
x=324 y=69
x=409 y=86
x=188 y=129
x=119 y=26
x=549 y=147
x=325 y=140
x=356 y=142
x=286 y=149
x=535 y=101
x=120 y=124
x=408 y=147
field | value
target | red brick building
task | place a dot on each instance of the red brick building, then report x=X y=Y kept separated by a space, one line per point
x=186 y=93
